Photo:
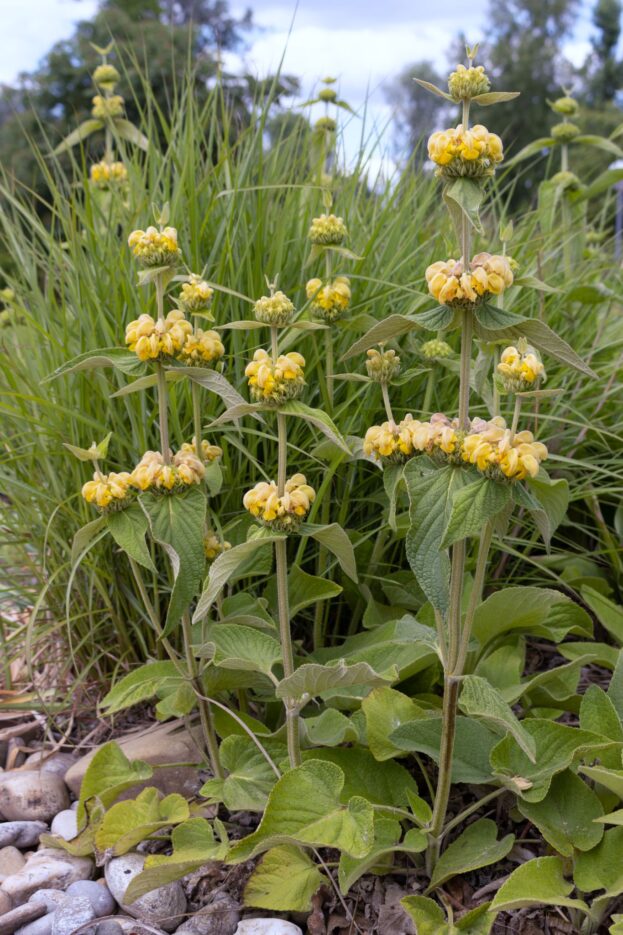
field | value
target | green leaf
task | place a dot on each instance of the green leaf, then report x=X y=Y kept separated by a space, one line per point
x=552 y=497
x=538 y=882
x=609 y=614
x=392 y=477
x=615 y=688
x=336 y=541
x=601 y=142
x=463 y=197
x=312 y=679
x=329 y=729
x=238 y=647
x=141 y=684
x=81 y=132
x=225 y=567
x=385 y=709
x=108 y=775
x=431 y=496
x=177 y=523
x=473 y=744
x=492 y=317
x=479 y=699
x=233 y=413
x=430 y=919
x=494 y=97
x=127 y=131
x=541 y=336
x=116 y=357
x=97 y=452
x=284 y=880
x=305 y=590
x=476 y=847
x=435 y=319
x=598 y=714
x=536 y=146
x=387 y=834
x=394 y=326
x=319 y=419
x=386 y=783
x=128 y=528
x=602 y=868
x=611 y=779
x=518 y=608
x=214 y=382
x=557 y=747
x=250 y=777
x=429 y=86
x=128 y=823
x=472 y=507
x=193 y=846
x=566 y=816
x=532 y=282
x=86 y=537
x=304 y=808
x=590 y=295
x=602 y=183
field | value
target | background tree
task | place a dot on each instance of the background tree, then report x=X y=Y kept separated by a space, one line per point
x=416 y=112
x=604 y=70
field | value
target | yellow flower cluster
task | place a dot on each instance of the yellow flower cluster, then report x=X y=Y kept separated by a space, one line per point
x=435 y=349
x=208 y=452
x=520 y=369
x=451 y=284
x=382 y=366
x=459 y=152
x=329 y=301
x=276 y=309
x=275 y=382
x=106 y=76
x=152 y=247
x=282 y=513
x=106 y=107
x=399 y=442
x=195 y=295
x=327 y=230
x=107 y=490
x=108 y=174
x=151 y=473
x=201 y=347
x=465 y=83
x=501 y=456
x=213 y=546
x=152 y=339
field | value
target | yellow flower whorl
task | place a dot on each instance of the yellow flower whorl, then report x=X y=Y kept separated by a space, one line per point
x=108 y=491
x=498 y=455
x=108 y=174
x=520 y=369
x=151 y=473
x=451 y=284
x=465 y=83
x=329 y=301
x=195 y=295
x=282 y=513
x=382 y=366
x=152 y=247
x=398 y=442
x=107 y=107
x=213 y=546
x=276 y=309
x=275 y=382
x=208 y=452
x=151 y=339
x=200 y=348
x=328 y=230
x=459 y=152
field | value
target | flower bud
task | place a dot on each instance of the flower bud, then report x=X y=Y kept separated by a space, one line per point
x=272 y=382
x=329 y=301
x=325 y=125
x=565 y=132
x=275 y=309
x=195 y=295
x=567 y=180
x=106 y=76
x=520 y=369
x=208 y=452
x=327 y=230
x=435 y=349
x=213 y=546
x=285 y=513
x=153 y=248
x=328 y=95
x=382 y=366
x=107 y=107
x=465 y=83
x=567 y=106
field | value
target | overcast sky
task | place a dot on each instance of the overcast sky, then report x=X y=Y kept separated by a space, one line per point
x=362 y=42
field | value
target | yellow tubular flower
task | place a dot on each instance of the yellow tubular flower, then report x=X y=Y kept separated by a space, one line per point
x=190 y=468
x=108 y=491
x=151 y=339
x=329 y=301
x=213 y=547
x=493 y=452
x=275 y=383
x=201 y=348
x=151 y=473
x=520 y=369
x=328 y=230
x=152 y=247
x=108 y=174
x=106 y=107
x=459 y=152
x=195 y=295
x=208 y=452
x=276 y=309
x=465 y=83
x=281 y=513
x=451 y=284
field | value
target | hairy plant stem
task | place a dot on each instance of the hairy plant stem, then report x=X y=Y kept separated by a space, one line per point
x=163 y=400
x=566 y=216
x=281 y=570
x=430 y=386
x=205 y=711
x=516 y=414
x=154 y=616
x=386 y=402
x=196 y=399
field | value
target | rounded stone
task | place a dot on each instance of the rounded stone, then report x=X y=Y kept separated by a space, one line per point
x=220 y=917
x=100 y=896
x=109 y=927
x=6 y=903
x=48 y=868
x=51 y=899
x=65 y=824
x=267 y=927
x=57 y=763
x=72 y=914
x=29 y=795
x=41 y=926
x=11 y=861
x=21 y=833
x=164 y=907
